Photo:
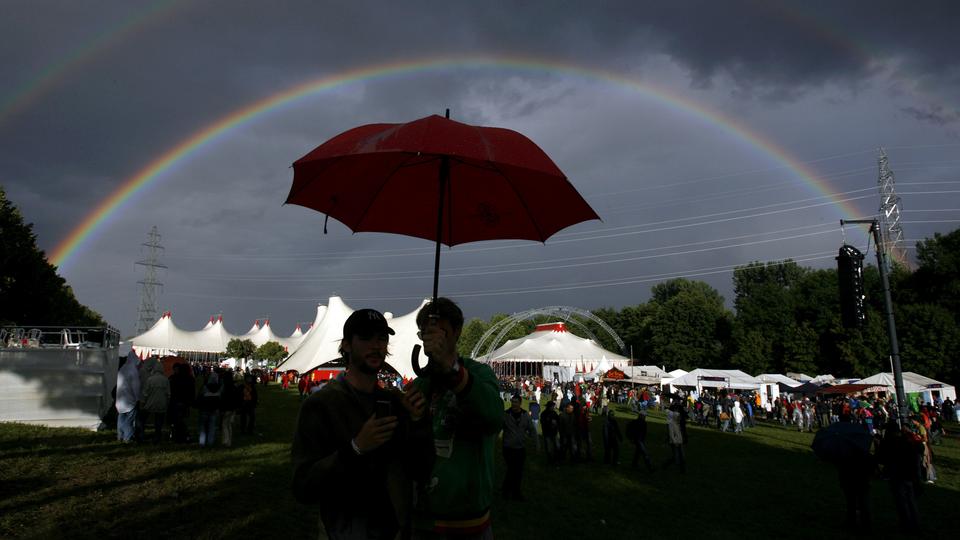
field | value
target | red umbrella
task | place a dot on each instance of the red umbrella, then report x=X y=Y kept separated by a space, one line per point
x=441 y=180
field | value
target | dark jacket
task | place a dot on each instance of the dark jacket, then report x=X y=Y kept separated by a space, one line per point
x=637 y=430
x=355 y=492
x=229 y=396
x=550 y=422
x=182 y=389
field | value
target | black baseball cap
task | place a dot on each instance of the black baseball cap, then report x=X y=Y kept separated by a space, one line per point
x=366 y=322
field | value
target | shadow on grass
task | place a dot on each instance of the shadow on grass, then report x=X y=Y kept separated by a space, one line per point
x=764 y=482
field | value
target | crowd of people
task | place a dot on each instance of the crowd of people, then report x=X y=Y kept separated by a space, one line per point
x=415 y=457
x=147 y=398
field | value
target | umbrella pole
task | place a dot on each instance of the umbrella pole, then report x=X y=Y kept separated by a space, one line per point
x=444 y=178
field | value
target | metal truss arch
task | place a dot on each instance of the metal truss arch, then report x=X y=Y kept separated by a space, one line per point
x=567 y=314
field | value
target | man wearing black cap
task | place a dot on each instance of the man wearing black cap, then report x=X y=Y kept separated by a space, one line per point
x=357 y=447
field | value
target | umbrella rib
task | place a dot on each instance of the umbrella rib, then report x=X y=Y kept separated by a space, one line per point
x=523 y=202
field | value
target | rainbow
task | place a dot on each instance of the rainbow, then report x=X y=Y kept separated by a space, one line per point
x=206 y=136
x=50 y=75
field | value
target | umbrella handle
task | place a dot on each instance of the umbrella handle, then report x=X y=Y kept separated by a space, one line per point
x=415 y=361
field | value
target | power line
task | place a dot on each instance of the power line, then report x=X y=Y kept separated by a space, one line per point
x=422 y=275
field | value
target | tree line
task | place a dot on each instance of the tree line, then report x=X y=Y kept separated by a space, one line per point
x=786 y=318
x=31 y=292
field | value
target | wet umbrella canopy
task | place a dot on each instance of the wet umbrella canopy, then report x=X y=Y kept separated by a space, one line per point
x=441 y=180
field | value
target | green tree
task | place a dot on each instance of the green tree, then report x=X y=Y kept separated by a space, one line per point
x=688 y=325
x=240 y=348
x=752 y=353
x=937 y=278
x=929 y=341
x=472 y=332
x=270 y=351
x=31 y=292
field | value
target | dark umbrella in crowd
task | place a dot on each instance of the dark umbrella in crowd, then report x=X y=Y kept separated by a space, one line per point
x=842 y=442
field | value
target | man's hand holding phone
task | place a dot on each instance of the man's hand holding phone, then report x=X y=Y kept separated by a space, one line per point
x=374 y=433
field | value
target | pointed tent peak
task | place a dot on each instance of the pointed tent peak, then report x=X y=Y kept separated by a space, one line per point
x=311 y=326
x=220 y=319
x=551 y=327
x=298 y=327
x=388 y=315
x=266 y=322
x=256 y=322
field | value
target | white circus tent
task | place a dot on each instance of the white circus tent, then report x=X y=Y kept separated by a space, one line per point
x=264 y=335
x=210 y=340
x=401 y=344
x=250 y=333
x=552 y=344
x=164 y=337
x=321 y=343
x=294 y=340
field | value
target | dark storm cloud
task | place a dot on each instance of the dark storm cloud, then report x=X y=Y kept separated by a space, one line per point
x=133 y=97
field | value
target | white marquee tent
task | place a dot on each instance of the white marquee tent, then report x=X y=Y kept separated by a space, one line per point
x=553 y=344
x=770 y=385
x=165 y=337
x=914 y=383
x=699 y=379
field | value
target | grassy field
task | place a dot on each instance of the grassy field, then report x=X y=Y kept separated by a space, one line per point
x=763 y=483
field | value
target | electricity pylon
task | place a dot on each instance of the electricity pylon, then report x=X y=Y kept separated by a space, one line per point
x=149 y=285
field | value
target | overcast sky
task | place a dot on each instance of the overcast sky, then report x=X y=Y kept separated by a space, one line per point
x=93 y=92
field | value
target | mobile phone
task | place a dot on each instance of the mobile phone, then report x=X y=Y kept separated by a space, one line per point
x=384 y=409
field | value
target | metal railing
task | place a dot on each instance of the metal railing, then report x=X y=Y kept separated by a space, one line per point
x=59 y=337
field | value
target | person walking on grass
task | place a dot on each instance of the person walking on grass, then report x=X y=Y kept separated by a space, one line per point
x=182 y=394
x=637 y=434
x=737 y=414
x=611 y=439
x=550 y=422
x=229 y=401
x=156 y=397
x=128 y=395
x=208 y=405
x=534 y=408
x=248 y=405
x=517 y=428
x=675 y=439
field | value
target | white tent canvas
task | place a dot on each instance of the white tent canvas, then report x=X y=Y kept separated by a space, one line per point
x=553 y=343
x=913 y=383
x=164 y=337
x=264 y=335
x=770 y=386
x=210 y=340
x=322 y=343
x=401 y=344
x=716 y=378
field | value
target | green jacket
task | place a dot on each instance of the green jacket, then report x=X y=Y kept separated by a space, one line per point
x=460 y=490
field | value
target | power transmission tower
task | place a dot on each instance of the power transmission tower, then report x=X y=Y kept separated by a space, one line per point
x=889 y=218
x=149 y=285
